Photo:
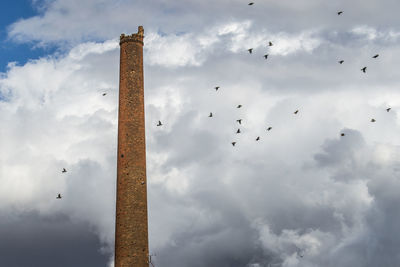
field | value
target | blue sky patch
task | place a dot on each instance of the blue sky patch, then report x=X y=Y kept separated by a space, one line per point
x=10 y=12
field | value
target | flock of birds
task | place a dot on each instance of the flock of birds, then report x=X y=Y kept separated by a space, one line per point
x=269 y=128
x=270 y=43
x=300 y=253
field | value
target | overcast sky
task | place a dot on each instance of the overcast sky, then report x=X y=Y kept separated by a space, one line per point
x=301 y=196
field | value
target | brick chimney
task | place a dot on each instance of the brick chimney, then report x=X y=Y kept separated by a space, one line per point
x=131 y=229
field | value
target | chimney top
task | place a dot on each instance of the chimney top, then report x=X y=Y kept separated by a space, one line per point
x=136 y=37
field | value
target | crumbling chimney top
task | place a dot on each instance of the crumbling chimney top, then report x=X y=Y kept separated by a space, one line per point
x=136 y=37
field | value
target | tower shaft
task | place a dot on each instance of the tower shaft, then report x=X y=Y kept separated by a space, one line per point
x=131 y=230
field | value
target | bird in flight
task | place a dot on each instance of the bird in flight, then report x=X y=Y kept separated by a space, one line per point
x=216 y=88
x=64 y=170
x=269 y=128
x=104 y=94
x=250 y=50
x=297 y=111
x=373 y=120
x=270 y=43
x=266 y=56
x=159 y=123
x=377 y=55
x=341 y=61
x=239 y=121
x=258 y=138
x=251 y=3
x=233 y=143
x=364 y=69
x=239 y=106
x=342 y=134
x=59 y=196
x=238 y=131
x=340 y=13
x=210 y=115
x=388 y=109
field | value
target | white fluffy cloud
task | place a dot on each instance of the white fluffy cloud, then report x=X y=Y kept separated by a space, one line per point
x=187 y=49
x=301 y=196
x=52 y=115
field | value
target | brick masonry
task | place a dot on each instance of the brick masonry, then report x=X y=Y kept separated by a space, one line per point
x=131 y=230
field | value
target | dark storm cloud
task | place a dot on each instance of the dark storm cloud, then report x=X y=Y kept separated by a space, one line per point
x=382 y=220
x=222 y=236
x=376 y=242
x=29 y=239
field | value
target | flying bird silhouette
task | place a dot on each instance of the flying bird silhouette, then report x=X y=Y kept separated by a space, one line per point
x=59 y=196
x=210 y=115
x=258 y=138
x=159 y=123
x=269 y=128
x=377 y=55
x=233 y=143
x=239 y=121
x=251 y=3
x=216 y=88
x=266 y=56
x=238 y=131
x=342 y=134
x=297 y=111
x=270 y=44
x=104 y=94
x=373 y=120
x=364 y=69
x=340 y=13
x=250 y=50
x=341 y=61
x=64 y=170
x=239 y=106
x=388 y=109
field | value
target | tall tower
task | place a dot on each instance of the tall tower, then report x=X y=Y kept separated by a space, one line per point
x=131 y=232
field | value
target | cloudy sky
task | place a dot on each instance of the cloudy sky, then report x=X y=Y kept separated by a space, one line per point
x=302 y=196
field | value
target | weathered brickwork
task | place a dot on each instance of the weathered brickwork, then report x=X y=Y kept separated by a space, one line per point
x=131 y=232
